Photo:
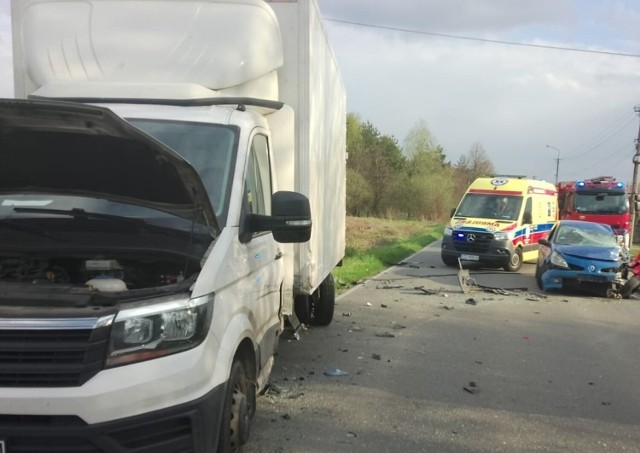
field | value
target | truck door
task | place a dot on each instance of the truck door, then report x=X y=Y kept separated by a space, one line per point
x=263 y=252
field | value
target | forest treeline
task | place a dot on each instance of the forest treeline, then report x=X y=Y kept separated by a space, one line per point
x=413 y=181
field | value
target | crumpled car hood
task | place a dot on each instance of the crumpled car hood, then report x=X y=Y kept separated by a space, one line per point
x=51 y=147
x=589 y=252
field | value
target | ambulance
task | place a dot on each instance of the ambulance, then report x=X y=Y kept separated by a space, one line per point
x=499 y=221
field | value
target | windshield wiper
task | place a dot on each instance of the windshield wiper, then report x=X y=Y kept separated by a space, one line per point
x=78 y=213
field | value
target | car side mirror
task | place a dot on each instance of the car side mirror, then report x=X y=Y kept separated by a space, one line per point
x=544 y=242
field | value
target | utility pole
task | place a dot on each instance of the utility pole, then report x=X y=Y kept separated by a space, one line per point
x=557 y=159
x=634 y=186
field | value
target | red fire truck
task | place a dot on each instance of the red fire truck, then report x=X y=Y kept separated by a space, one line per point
x=601 y=199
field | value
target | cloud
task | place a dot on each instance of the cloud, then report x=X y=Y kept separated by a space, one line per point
x=513 y=100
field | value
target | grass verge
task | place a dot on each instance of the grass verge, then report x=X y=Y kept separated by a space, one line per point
x=375 y=244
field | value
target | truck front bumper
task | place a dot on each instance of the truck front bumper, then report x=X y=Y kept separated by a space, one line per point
x=192 y=427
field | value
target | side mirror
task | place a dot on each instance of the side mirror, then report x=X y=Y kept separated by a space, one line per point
x=290 y=219
x=453 y=211
x=544 y=242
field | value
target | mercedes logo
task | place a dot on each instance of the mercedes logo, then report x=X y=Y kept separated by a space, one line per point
x=471 y=238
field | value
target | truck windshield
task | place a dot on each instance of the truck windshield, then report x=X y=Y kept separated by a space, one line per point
x=209 y=148
x=490 y=206
x=12 y=207
x=602 y=203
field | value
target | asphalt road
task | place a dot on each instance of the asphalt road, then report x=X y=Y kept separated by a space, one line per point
x=519 y=371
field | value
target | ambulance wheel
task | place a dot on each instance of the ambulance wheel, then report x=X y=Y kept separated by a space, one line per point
x=630 y=286
x=236 y=415
x=515 y=261
x=449 y=260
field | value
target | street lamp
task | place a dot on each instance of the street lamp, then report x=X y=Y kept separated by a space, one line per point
x=557 y=161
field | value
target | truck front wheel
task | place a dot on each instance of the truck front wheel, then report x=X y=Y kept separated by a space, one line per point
x=238 y=406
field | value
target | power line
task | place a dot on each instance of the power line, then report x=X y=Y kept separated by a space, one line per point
x=602 y=141
x=491 y=41
x=614 y=125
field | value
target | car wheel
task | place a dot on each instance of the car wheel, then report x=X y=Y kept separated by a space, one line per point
x=515 y=261
x=539 y=277
x=236 y=415
x=449 y=260
x=630 y=286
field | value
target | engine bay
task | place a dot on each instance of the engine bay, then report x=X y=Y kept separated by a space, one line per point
x=100 y=273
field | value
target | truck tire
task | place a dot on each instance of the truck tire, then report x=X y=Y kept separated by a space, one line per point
x=323 y=302
x=318 y=308
x=236 y=415
x=515 y=261
x=302 y=307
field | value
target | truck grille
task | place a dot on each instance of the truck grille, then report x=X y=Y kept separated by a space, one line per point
x=51 y=358
x=69 y=434
x=471 y=241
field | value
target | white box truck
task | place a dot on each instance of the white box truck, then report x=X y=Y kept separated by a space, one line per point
x=172 y=183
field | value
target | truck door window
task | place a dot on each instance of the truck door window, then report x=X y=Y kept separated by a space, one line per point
x=258 y=183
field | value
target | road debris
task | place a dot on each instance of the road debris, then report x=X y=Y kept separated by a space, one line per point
x=335 y=372
x=429 y=292
x=385 y=335
x=410 y=265
x=472 y=388
x=376 y=356
x=471 y=301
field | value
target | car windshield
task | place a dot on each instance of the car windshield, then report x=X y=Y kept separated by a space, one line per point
x=588 y=234
x=490 y=206
x=602 y=203
x=209 y=148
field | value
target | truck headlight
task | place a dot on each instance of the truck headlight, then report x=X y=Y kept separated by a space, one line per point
x=558 y=260
x=448 y=231
x=154 y=330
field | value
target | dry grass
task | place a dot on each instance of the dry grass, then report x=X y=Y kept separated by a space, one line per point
x=366 y=233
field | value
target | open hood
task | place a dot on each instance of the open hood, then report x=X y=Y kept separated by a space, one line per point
x=50 y=147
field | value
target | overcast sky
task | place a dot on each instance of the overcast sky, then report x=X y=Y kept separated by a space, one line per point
x=513 y=100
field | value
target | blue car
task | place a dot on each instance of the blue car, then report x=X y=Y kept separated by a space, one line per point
x=583 y=256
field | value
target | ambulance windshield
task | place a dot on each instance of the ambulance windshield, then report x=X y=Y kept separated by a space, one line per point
x=489 y=206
